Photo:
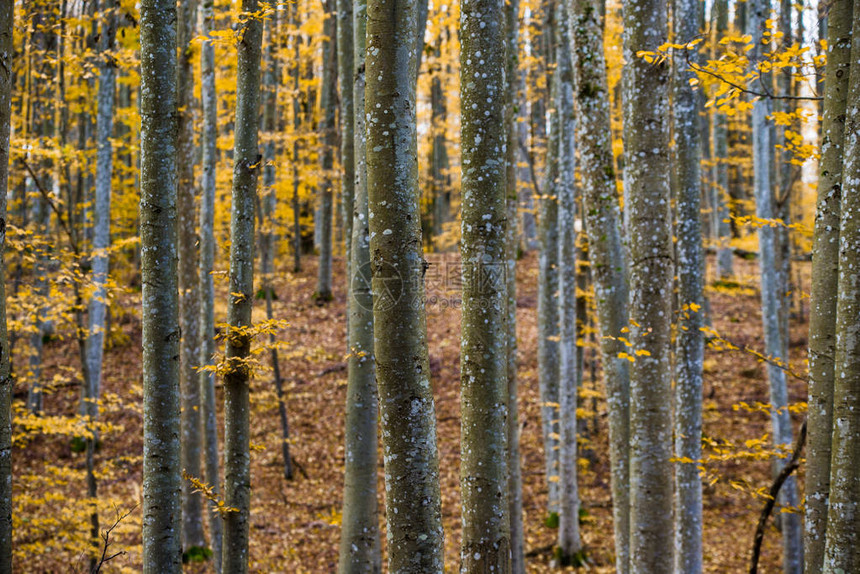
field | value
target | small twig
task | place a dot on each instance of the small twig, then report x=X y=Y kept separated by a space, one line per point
x=783 y=475
x=106 y=537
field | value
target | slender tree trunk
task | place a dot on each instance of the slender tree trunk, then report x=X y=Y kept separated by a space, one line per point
x=569 y=542
x=162 y=551
x=646 y=178
x=207 y=263
x=515 y=479
x=606 y=254
x=246 y=157
x=415 y=536
x=842 y=547
x=771 y=299
x=189 y=303
x=346 y=73
x=359 y=541
x=439 y=177
x=689 y=340
x=297 y=124
x=328 y=100
x=485 y=545
x=825 y=274
x=7 y=8
x=720 y=174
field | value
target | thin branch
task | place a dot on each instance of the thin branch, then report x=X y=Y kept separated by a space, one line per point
x=106 y=537
x=47 y=196
x=786 y=471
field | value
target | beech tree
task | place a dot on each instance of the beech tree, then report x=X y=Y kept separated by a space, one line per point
x=483 y=365
x=603 y=227
x=237 y=378
x=689 y=340
x=327 y=128
x=407 y=409
x=207 y=262
x=649 y=221
x=6 y=81
x=359 y=540
x=162 y=550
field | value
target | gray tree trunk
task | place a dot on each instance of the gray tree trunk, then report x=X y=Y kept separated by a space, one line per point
x=415 y=536
x=825 y=274
x=720 y=173
x=246 y=158
x=515 y=479
x=162 y=550
x=346 y=74
x=649 y=220
x=359 y=539
x=689 y=340
x=771 y=299
x=7 y=8
x=569 y=541
x=485 y=546
x=207 y=263
x=842 y=547
x=189 y=301
x=606 y=254
x=328 y=100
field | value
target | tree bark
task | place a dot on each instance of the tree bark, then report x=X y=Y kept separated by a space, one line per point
x=825 y=277
x=162 y=551
x=328 y=100
x=346 y=74
x=721 y=197
x=606 y=254
x=842 y=547
x=246 y=168
x=359 y=541
x=689 y=340
x=415 y=536
x=485 y=546
x=7 y=8
x=646 y=179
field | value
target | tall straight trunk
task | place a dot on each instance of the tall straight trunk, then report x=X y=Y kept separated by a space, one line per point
x=569 y=541
x=101 y=233
x=825 y=274
x=297 y=124
x=515 y=479
x=359 y=539
x=162 y=550
x=548 y=339
x=209 y=103
x=346 y=73
x=246 y=158
x=328 y=100
x=771 y=299
x=646 y=179
x=189 y=302
x=485 y=545
x=689 y=341
x=440 y=180
x=7 y=8
x=602 y=215
x=408 y=416
x=783 y=172
x=721 y=197
x=842 y=547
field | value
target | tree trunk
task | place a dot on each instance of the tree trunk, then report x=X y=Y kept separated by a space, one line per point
x=689 y=340
x=842 y=548
x=328 y=100
x=825 y=276
x=359 y=540
x=189 y=302
x=771 y=299
x=206 y=283
x=415 y=536
x=162 y=550
x=646 y=179
x=246 y=158
x=606 y=254
x=485 y=545
x=346 y=73
x=720 y=173
x=7 y=8
x=515 y=479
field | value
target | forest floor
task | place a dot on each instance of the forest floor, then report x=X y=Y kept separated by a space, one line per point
x=295 y=524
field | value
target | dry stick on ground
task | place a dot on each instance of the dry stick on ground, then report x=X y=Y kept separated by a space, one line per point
x=786 y=471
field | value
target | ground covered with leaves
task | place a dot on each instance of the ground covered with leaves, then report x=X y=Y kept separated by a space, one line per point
x=295 y=524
